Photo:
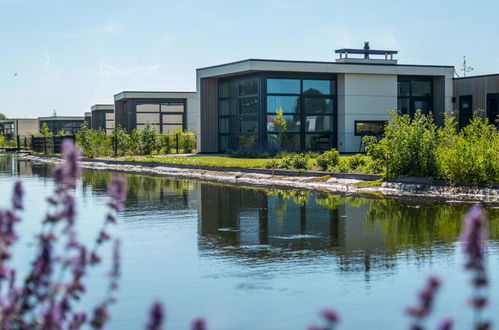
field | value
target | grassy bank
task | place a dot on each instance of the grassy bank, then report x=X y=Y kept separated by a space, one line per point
x=345 y=164
x=219 y=161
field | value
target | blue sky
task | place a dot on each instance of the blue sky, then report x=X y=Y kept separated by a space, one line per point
x=68 y=55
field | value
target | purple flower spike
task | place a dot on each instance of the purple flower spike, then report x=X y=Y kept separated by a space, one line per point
x=156 y=316
x=424 y=307
x=116 y=270
x=446 y=325
x=117 y=190
x=69 y=171
x=17 y=197
x=330 y=316
x=474 y=238
x=72 y=158
x=198 y=324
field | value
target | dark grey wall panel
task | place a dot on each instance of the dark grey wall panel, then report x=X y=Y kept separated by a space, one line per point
x=478 y=87
x=209 y=115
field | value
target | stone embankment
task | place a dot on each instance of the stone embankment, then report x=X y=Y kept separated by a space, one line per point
x=319 y=181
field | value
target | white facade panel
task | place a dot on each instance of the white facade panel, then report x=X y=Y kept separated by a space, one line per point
x=362 y=97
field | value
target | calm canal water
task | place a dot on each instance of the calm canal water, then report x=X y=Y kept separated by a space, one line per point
x=246 y=258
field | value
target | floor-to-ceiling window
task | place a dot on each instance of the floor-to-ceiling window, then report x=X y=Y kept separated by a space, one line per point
x=465 y=110
x=415 y=93
x=493 y=108
x=308 y=108
x=238 y=112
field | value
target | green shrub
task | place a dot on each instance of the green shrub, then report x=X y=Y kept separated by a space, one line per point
x=357 y=161
x=417 y=147
x=409 y=146
x=282 y=154
x=296 y=161
x=186 y=140
x=313 y=154
x=343 y=166
x=472 y=155
x=94 y=143
x=328 y=159
x=165 y=143
x=134 y=147
x=123 y=141
x=148 y=140
x=273 y=163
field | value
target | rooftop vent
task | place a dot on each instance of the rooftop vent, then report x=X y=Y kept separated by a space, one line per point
x=367 y=52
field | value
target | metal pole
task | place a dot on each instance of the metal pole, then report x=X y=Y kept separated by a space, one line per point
x=176 y=142
x=115 y=143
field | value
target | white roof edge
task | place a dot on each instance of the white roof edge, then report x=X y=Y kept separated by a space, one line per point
x=317 y=67
x=62 y=118
x=153 y=95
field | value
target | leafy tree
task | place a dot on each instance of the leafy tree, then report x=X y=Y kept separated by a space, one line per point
x=280 y=126
x=44 y=131
x=2 y=116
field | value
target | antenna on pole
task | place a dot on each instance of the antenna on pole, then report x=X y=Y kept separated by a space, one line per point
x=465 y=68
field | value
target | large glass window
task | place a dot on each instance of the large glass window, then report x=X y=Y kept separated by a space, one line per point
x=239 y=113
x=308 y=108
x=415 y=93
x=283 y=86
x=164 y=117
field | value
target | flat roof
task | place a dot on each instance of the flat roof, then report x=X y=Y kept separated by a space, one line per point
x=153 y=95
x=61 y=118
x=12 y=119
x=98 y=107
x=478 y=76
x=322 y=62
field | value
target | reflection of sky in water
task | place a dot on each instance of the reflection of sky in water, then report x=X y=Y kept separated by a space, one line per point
x=255 y=259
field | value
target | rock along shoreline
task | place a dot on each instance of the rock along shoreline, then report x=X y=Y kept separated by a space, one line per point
x=319 y=181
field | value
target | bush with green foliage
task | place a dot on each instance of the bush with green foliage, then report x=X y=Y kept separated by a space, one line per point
x=94 y=143
x=164 y=143
x=44 y=131
x=148 y=140
x=416 y=147
x=186 y=140
x=121 y=140
x=408 y=147
x=472 y=155
x=328 y=159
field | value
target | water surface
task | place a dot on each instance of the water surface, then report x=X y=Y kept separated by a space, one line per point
x=247 y=258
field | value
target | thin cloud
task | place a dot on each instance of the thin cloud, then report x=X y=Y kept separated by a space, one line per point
x=47 y=61
x=106 y=70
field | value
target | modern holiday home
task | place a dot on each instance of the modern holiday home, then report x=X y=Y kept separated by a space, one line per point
x=325 y=104
x=68 y=124
x=476 y=93
x=103 y=117
x=163 y=111
x=23 y=127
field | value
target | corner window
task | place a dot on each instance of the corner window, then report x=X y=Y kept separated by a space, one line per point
x=238 y=112
x=415 y=93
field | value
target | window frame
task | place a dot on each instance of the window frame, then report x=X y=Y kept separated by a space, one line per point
x=411 y=97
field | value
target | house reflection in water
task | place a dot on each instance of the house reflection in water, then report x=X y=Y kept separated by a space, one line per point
x=255 y=224
x=11 y=165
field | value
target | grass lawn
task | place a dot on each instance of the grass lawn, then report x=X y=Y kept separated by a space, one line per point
x=221 y=161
